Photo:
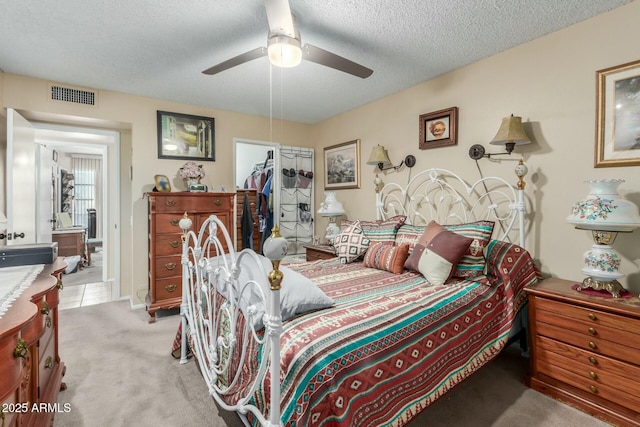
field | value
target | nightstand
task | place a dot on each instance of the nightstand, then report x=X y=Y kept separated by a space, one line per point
x=585 y=350
x=316 y=252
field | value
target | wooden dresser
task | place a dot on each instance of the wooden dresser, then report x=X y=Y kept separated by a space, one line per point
x=585 y=350
x=71 y=241
x=165 y=244
x=316 y=252
x=30 y=367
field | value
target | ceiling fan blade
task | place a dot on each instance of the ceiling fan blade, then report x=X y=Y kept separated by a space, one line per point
x=279 y=17
x=237 y=60
x=328 y=59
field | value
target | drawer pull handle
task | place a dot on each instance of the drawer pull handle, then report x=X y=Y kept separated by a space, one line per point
x=174 y=222
x=593 y=345
x=174 y=244
x=593 y=389
x=47 y=322
x=593 y=375
x=592 y=316
x=170 y=265
x=217 y=202
x=59 y=285
x=592 y=331
x=593 y=360
x=44 y=309
x=48 y=363
x=21 y=349
x=170 y=203
x=170 y=288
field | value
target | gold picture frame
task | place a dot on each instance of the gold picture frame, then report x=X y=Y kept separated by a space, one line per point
x=342 y=166
x=618 y=116
x=438 y=129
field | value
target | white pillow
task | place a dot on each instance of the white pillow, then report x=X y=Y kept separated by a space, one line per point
x=298 y=294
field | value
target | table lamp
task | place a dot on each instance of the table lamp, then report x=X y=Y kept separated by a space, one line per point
x=331 y=208
x=606 y=214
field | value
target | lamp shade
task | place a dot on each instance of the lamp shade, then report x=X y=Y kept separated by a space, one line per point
x=603 y=209
x=511 y=132
x=379 y=155
x=331 y=206
x=284 y=51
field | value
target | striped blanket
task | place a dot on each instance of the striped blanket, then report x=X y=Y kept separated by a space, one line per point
x=392 y=344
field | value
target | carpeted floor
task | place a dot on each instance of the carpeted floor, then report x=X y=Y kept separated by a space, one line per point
x=120 y=373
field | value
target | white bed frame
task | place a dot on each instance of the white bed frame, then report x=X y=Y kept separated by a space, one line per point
x=432 y=194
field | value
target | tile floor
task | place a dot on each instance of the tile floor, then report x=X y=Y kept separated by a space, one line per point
x=83 y=295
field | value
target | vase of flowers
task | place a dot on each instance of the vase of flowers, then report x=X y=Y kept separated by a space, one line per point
x=192 y=173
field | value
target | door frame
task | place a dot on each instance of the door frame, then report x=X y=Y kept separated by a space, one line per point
x=110 y=147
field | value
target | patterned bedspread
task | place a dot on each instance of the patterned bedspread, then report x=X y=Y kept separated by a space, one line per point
x=392 y=344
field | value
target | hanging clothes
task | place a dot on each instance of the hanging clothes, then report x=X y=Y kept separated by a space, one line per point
x=267 y=211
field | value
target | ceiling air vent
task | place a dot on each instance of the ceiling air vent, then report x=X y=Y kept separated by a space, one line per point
x=77 y=96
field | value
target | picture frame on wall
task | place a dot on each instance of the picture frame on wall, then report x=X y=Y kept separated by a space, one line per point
x=185 y=136
x=342 y=166
x=618 y=116
x=438 y=129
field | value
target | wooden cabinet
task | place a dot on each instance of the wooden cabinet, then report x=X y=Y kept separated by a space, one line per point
x=240 y=199
x=70 y=241
x=316 y=252
x=30 y=367
x=165 y=243
x=586 y=350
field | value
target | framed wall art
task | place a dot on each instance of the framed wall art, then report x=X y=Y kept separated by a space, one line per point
x=618 y=116
x=342 y=166
x=439 y=129
x=184 y=136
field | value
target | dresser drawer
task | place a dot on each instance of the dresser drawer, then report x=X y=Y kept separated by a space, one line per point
x=168 y=288
x=593 y=367
x=589 y=343
x=168 y=223
x=590 y=316
x=193 y=204
x=48 y=333
x=167 y=266
x=46 y=365
x=168 y=244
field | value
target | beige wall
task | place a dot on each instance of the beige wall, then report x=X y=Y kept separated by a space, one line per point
x=135 y=118
x=550 y=82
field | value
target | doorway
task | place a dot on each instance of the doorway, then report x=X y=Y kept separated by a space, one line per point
x=75 y=150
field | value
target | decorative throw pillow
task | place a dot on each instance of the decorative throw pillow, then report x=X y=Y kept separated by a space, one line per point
x=438 y=253
x=351 y=243
x=298 y=294
x=473 y=262
x=386 y=257
x=383 y=231
x=409 y=234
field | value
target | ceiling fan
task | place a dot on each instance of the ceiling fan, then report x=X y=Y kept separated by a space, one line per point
x=285 y=49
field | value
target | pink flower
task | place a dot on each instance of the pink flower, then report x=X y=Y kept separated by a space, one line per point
x=191 y=170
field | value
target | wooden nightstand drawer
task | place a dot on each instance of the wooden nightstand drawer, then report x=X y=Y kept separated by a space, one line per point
x=316 y=252
x=168 y=288
x=593 y=368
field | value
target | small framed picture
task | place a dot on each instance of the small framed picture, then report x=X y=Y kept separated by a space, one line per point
x=342 y=166
x=618 y=116
x=184 y=136
x=439 y=129
x=163 y=185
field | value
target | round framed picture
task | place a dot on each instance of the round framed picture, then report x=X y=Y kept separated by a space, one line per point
x=162 y=183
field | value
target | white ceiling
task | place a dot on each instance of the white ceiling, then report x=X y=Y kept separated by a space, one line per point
x=159 y=48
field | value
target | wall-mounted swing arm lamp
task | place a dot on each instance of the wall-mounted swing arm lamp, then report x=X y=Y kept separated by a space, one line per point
x=510 y=134
x=380 y=158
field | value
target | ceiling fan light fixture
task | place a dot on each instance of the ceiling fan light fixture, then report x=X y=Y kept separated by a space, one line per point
x=284 y=51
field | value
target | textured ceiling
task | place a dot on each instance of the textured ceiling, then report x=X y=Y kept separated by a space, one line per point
x=159 y=48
